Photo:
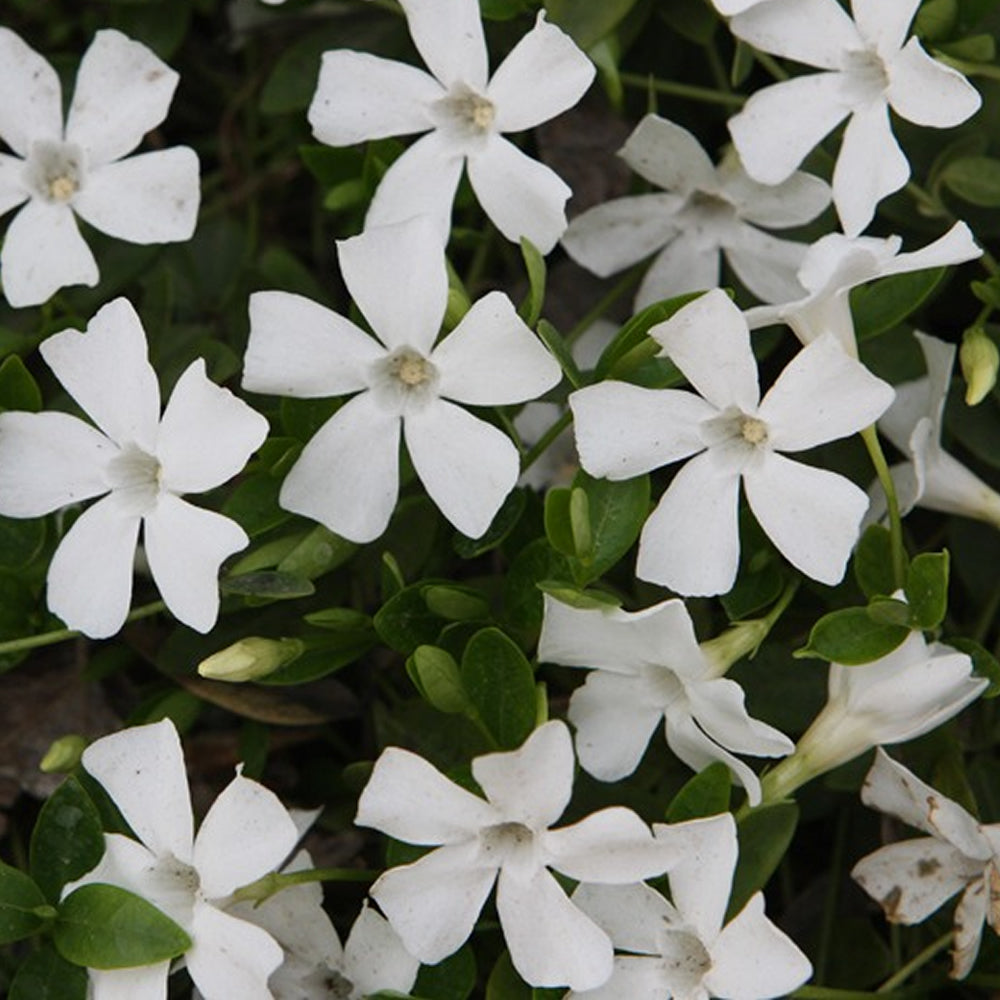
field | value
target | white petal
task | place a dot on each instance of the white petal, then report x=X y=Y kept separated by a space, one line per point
x=142 y=769
x=766 y=265
x=30 y=95
x=926 y=92
x=360 y=96
x=955 y=247
x=691 y=543
x=793 y=203
x=668 y=156
x=624 y=430
x=374 y=956
x=970 y=915
x=90 y=576
x=884 y=25
x=709 y=341
x=551 y=941
x=185 y=545
x=231 y=957
x=688 y=263
x=246 y=834
x=448 y=35
x=43 y=251
x=397 y=277
x=411 y=800
x=151 y=198
x=206 y=435
x=635 y=976
x=492 y=358
x=466 y=465
x=533 y=784
x=347 y=476
x=107 y=371
x=629 y=914
x=521 y=196
x=870 y=166
x=544 y=75
x=123 y=90
x=939 y=356
x=815 y=32
x=49 y=460
x=148 y=982
x=13 y=187
x=720 y=709
x=812 y=515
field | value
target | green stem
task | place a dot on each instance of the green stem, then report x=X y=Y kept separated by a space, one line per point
x=261 y=890
x=870 y=437
x=537 y=449
x=915 y=964
x=63 y=634
x=771 y=65
x=706 y=94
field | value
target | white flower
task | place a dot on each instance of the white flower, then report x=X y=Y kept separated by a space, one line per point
x=681 y=949
x=690 y=543
x=867 y=69
x=433 y=903
x=347 y=476
x=835 y=264
x=912 y=879
x=706 y=210
x=144 y=463
x=122 y=91
x=463 y=112
x=246 y=834
x=647 y=666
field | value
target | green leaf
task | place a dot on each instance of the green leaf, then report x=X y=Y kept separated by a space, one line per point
x=587 y=23
x=68 y=839
x=883 y=304
x=455 y=603
x=435 y=675
x=889 y=611
x=21 y=542
x=500 y=684
x=554 y=341
x=452 y=979
x=254 y=504
x=319 y=552
x=534 y=263
x=405 y=622
x=504 y=522
x=617 y=512
x=975 y=48
x=927 y=588
x=504 y=982
x=575 y=598
x=106 y=927
x=706 y=794
x=764 y=835
x=18 y=388
x=691 y=19
x=46 y=975
x=579 y=525
x=558 y=528
x=522 y=598
x=984 y=663
x=975 y=179
x=23 y=909
x=935 y=19
x=873 y=562
x=268 y=584
x=850 y=636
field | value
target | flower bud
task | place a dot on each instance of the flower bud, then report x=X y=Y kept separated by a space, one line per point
x=250 y=659
x=63 y=755
x=739 y=640
x=980 y=361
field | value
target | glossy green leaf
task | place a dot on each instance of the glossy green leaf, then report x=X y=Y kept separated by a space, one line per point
x=500 y=684
x=764 y=836
x=587 y=23
x=504 y=982
x=617 y=512
x=881 y=305
x=503 y=524
x=558 y=528
x=435 y=674
x=873 y=562
x=560 y=350
x=850 y=636
x=18 y=388
x=452 y=979
x=455 y=603
x=319 y=552
x=706 y=794
x=272 y=585
x=46 y=975
x=889 y=611
x=405 y=622
x=23 y=908
x=927 y=588
x=975 y=179
x=530 y=310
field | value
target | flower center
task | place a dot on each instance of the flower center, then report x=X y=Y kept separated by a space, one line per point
x=137 y=477
x=404 y=379
x=866 y=76
x=662 y=685
x=686 y=960
x=511 y=845
x=411 y=369
x=753 y=430
x=172 y=886
x=55 y=170
x=464 y=113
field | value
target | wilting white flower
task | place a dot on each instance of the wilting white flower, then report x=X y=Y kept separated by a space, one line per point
x=464 y=113
x=705 y=211
x=835 y=264
x=681 y=948
x=144 y=463
x=246 y=834
x=868 y=67
x=647 y=666
x=348 y=475
x=912 y=879
x=122 y=91
x=690 y=543
x=433 y=903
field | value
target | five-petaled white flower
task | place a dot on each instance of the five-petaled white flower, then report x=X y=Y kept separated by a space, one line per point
x=465 y=114
x=246 y=834
x=348 y=475
x=143 y=462
x=122 y=91
x=913 y=878
x=647 y=666
x=867 y=70
x=680 y=949
x=690 y=543
x=705 y=210
x=433 y=903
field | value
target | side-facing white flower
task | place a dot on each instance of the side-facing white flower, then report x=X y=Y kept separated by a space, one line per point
x=690 y=543
x=681 y=949
x=433 y=903
x=144 y=463
x=706 y=210
x=464 y=113
x=348 y=475
x=647 y=666
x=868 y=67
x=122 y=91
x=246 y=834
x=835 y=264
x=913 y=878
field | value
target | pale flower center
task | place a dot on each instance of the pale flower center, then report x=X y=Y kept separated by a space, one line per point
x=661 y=685
x=686 y=960
x=511 y=845
x=137 y=477
x=55 y=170
x=404 y=379
x=734 y=429
x=172 y=886
x=463 y=113
x=866 y=76
x=753 y=430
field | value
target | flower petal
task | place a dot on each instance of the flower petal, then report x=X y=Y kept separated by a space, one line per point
x=466 y=465
x=360 y=96
x=884 y=25
x=185 y=545
x=668 y=156
x=375 y=958
x=815 y=32
x=766 y=265
x=107 y=371
x=544 y=75
x=521 y=196
x=125 y=863
x=123 y=90
x=970 y=915
x=142 y=769
x=147 y=982
x=492 y=358
x=13 y=188
x=43 y=251
x=448 y=35
x=629 y=914
x=955 y=247
x=793 y=203
x=30 y=95
x=719 y=706
x=151 y=198
x=347 y=476
x=90 y=576
x=926 y=92
x=688 y=263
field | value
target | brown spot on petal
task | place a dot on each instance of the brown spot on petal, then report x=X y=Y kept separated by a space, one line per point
x=890 y=903
x=927 y=867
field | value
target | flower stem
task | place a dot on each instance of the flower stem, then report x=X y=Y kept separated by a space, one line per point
x=63 y=634
x=870 y=437
x=694 y=93
x=538 y=448
x=265 y=887
x=916 y=963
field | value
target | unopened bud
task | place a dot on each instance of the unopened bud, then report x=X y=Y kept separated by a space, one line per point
x=741 y=639
x=250 y=659
x=63 y=755
x=980 y=361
